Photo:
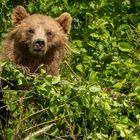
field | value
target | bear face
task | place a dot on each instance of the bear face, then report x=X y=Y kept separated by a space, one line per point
x=37 y=39
x=38 y=33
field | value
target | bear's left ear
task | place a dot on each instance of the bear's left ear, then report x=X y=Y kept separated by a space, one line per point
x=65 y=21
x=19 y=13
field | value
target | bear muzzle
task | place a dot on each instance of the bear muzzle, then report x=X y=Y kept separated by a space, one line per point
x=39 y=44
x=38 y=48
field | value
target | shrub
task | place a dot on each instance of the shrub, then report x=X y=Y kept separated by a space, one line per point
x=97 y=96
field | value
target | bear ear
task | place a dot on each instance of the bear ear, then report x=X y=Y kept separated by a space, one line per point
x=19 y=13
x=65 y=21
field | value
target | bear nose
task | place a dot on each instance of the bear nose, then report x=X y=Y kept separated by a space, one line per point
x=39 y=43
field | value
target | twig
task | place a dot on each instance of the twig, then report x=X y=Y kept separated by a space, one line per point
x=76 y=76
x=35 y=114
x=4 y=79
x=71 y=128
x=20 y=103
x=44 y=123
x=39 y=132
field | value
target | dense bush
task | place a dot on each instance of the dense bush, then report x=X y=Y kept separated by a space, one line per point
x=98 y=94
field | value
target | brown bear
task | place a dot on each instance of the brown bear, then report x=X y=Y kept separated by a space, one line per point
x=37 y=40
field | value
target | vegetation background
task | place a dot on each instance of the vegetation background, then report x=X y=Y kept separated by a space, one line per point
x=98 y=95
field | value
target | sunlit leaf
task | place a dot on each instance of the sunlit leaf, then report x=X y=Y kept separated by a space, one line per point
x=30 y=7
x=107 y=106
x=125 y=46
x=91 y=43
x=55 y=80
x=79 y=67
x=92 y=76
x=95 y=88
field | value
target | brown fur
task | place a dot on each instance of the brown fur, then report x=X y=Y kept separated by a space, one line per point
x=19 y=46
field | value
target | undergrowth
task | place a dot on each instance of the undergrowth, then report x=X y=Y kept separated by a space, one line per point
x=61 y=108
x=97 y=96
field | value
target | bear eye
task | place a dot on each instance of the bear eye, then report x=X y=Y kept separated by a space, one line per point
x=49 y=33
x=31 y=31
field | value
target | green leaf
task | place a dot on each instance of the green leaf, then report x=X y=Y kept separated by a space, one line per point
x=75 y=104
x=122 y=27
x=54 y=109
x=107 y=106
x=91 y=114
x=30 y=7
x=65 y=1
x=99 y=136
x=94 y=35
x=122 y=133
x=95 y=88
x=120 y=127
x=20 y=82
x=12 y=107
x=138 y=27
x=91 y=43
x=125 y=46
x=79 y=67
x=92 y=76
x=55 y=80
x=87 y=103
x=127 y=132
x=78 y=43
x=55 y=132
x=56 y=9
x=118 y=85
x=92 y=5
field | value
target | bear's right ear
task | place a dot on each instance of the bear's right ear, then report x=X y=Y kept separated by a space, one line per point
x=19 y=13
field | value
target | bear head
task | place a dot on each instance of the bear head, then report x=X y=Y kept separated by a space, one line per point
x=36 y=34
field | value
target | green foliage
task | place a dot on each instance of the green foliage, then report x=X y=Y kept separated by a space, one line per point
x=76 y=109
x=97 y=96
